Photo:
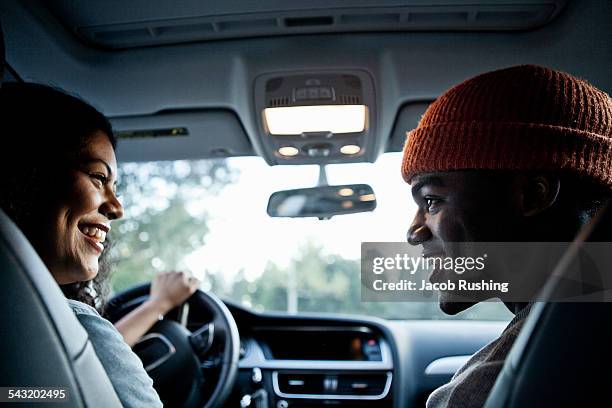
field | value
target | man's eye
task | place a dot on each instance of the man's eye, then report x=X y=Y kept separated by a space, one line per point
x=430 y=202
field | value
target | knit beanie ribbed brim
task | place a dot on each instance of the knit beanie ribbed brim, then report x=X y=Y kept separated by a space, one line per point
x=521 y=118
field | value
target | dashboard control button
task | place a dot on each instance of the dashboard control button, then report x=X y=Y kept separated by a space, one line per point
x=245 y=401
x=256 y=375
x=301 y=94
x=282 y=404
x=325 y=93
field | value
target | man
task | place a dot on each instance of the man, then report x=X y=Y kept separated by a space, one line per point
x=520 y=154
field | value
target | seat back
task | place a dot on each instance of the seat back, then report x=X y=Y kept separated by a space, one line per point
x=43 y=344
x=563 y=355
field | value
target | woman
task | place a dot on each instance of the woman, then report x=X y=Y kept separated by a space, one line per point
x=59 y=186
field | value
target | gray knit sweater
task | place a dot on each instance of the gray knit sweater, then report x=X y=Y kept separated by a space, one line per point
x=471 y=384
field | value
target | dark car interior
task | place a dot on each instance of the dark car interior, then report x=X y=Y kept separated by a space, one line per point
x=211 y=69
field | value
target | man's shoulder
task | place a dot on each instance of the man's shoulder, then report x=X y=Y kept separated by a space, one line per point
x=471 y=384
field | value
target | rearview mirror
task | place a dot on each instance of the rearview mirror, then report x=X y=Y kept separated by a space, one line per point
x=322 y=202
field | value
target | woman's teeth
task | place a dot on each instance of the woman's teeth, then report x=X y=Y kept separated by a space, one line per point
x=94 y=232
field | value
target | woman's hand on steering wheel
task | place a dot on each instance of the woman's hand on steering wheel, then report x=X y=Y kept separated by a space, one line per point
x=171 y=289
x=168 y=290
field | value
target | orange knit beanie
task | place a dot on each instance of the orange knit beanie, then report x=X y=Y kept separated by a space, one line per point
x=520 y=118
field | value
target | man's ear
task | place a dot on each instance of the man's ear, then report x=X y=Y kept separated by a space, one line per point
x=537 y=193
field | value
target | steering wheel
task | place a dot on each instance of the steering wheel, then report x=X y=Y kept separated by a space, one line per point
x=192 y=353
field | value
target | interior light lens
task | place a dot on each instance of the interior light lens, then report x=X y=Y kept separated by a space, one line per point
x=295 y=120
x=345 y=192
x=350 y=149
x=288 y=151
x=347 y=204
x=367 y=197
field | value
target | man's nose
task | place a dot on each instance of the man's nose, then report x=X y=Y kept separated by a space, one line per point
x=418 y=233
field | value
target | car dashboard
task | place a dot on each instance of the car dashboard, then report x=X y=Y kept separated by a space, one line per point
x=310 y=360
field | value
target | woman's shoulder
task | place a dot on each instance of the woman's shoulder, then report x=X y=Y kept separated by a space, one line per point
x=80 y=308
x=125 y=370
x=94 y=324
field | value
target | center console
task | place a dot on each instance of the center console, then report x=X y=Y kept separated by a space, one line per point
x=314 y=365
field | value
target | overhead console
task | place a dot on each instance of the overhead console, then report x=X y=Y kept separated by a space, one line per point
x=316 y=117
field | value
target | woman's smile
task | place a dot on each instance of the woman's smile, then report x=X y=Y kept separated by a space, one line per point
x=95 y=235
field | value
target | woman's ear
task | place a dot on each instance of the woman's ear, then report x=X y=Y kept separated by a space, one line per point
x=537 y=193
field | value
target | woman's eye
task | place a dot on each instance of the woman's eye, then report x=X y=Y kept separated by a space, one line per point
x=101 y=178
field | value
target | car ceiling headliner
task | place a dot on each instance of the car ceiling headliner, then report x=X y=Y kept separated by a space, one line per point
x=406 y=66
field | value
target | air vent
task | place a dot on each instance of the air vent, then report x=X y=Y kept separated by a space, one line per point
x=513 y=15
x=276 y=102
x=349 y=99
x=438 y=19
x=308 y=21
x=369 y=19
x=361 y=384
x=332 y=385
x=186 y=29
x=240 y=25
x=301 y=383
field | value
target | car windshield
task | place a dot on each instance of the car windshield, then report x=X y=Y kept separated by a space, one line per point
x=208 y=217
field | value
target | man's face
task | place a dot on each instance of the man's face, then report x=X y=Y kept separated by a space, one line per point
x=461 y=206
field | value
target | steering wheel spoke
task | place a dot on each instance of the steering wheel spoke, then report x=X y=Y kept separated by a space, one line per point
x=202 y=339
